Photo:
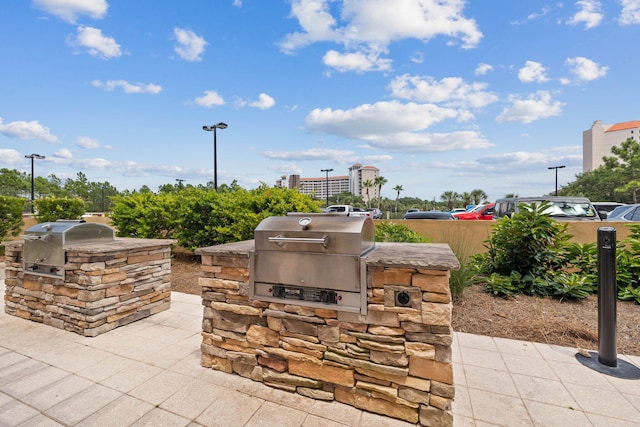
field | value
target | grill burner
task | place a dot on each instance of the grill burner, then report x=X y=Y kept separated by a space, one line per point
x=314 y=259
x=44 y=244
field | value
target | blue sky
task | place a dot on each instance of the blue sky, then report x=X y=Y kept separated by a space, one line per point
x=439 y=95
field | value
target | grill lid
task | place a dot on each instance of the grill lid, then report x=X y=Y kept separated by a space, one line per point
x=66 y=231
x=316 y=233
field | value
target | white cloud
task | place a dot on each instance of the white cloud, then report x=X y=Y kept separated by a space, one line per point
x=533 y=16
x=450 y=91
x=356 y=61
x=264 y=102
x=533 y=72
x=483 y=69
x=585 y=69
x=630 y=13
x=190 y=45
x=310 y=154
x=96 y=43
x=371 y=26
x=86 y=142
x=111 y=85
x=210 y=98
x=395 y=126
x=70 y=10
x=536 y=106
x=27 y=130
x=590 y=14
x=63 y=153
x=10 y=157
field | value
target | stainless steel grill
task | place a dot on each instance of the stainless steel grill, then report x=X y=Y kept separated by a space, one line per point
x=313 y=260
x=45 y=243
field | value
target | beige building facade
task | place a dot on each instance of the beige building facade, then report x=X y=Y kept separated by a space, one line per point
x=600 y=138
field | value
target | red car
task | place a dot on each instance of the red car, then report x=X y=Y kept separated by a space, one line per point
x=484 y=212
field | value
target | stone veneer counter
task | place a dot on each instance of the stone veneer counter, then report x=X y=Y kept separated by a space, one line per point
x=395 y=361
x=106 y=285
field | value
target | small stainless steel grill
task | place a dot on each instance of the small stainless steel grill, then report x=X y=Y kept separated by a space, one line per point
x=313 y=260
x=44 y=244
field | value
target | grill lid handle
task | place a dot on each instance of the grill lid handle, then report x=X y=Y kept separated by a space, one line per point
x=280 y=241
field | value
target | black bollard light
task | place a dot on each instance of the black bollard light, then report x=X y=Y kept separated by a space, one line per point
x=607 y=361
x=607 y=297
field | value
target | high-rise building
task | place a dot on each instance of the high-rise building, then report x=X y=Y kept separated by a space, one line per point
x=359 y=174
x=335 y=185
x=597 y=141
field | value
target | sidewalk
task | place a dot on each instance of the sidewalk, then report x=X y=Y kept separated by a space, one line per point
x=148 y=373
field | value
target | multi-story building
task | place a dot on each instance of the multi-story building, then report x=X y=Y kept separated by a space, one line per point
x=597 y=141
x=335 y=185
x=358 y=175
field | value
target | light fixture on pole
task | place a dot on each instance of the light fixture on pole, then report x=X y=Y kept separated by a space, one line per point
x=327 y=194
x=179 y=181
x=213 y=128
x=33 y=157
x=556 y=168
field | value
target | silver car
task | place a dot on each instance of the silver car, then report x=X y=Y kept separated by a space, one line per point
x=625 y=213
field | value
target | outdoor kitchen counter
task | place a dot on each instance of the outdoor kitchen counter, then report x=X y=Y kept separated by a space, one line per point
x=393 y=357
x=435 y=256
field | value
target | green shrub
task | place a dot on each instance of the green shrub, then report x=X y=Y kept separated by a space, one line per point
x=11 y=221
x=54 y=208
x=392 y=232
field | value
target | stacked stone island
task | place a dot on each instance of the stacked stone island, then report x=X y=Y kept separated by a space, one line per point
x=106 y=285
x=394 y=361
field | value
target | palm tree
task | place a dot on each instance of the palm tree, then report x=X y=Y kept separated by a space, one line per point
x=366 y=184
x=450 y=197
x=478 y=196
x=380 y=181
x=466 y=199
x=397 y=189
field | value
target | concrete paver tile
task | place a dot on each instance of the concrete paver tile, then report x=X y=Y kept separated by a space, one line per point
x=34 y=381
x=315 y=421
x=275 y=415
x=521 y=348
x=15 y=412
x=375 y=420
x=55 y=393
x=193 y=398
x=73 y=356
x=123 y=411
x=232 y=409
x=83 y=404
x=491 y=407
x=476 y=341
x=527 y=365
x=609 y=403
x=40 y=420
x=544 y=414
x=158 y=388
x=20 y=369
x=459 y=374
x=490 y=380
x=544 y=390
x=105 y=368
x=484 y=358
x=461 y=405
x=576 y=373
x=131 y=376
x=603 y=421
x=159 y=417
x=338 y=412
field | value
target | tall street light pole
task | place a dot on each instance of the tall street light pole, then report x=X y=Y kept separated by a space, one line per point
x=33 y=157
x=213 y=128
x=327 y=194
x=556 y=168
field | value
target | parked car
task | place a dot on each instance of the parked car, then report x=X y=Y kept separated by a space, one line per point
x=375 y=213
x=429 y=215
x=480 y=212
x=347 y=210
x=604 y=208
x=457 y=210
x=625 y=213
x=562 y=208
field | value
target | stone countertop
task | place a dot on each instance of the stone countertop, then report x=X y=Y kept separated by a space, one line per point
x=436 y=256
x=119 y=244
